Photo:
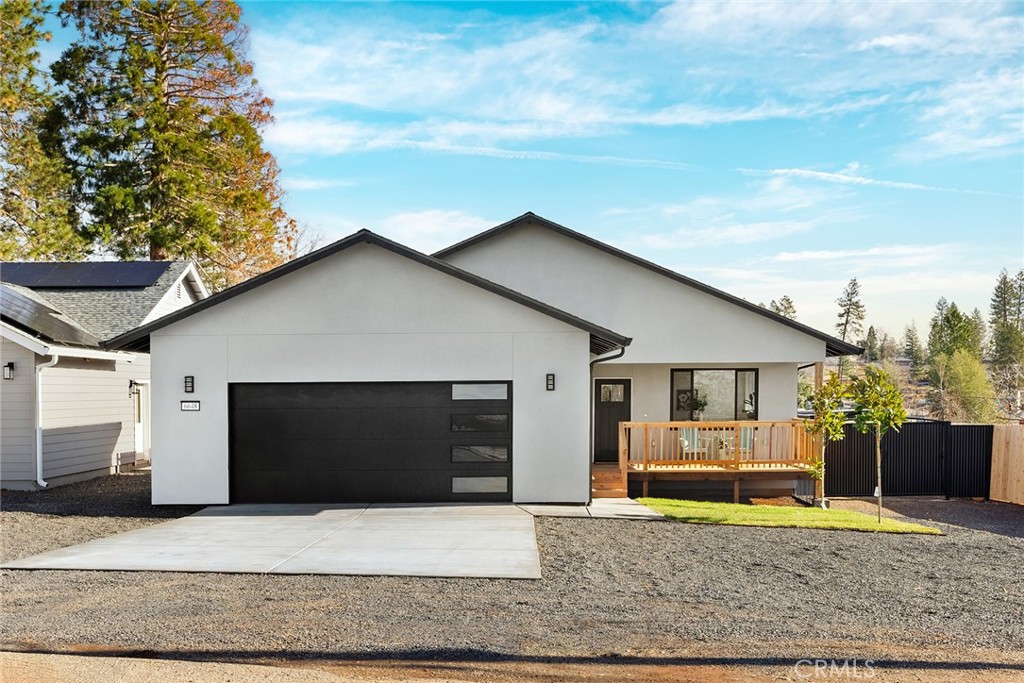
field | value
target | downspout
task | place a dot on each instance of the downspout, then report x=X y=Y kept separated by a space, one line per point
x=618 y=354
x=39 y=417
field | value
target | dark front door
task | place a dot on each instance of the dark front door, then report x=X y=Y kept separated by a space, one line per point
x=370 y=442
x=611 y=406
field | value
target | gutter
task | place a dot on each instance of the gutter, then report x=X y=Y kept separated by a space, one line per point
x=39 y=417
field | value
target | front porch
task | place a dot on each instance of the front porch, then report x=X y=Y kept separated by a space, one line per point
x=736 y=451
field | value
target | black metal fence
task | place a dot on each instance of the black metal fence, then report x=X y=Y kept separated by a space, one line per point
x=923 y=458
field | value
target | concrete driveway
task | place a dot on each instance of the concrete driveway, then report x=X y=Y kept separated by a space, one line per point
x=454 y=540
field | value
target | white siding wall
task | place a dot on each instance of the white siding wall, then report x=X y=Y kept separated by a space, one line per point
x=669 y=322
x=651 y=388
x=88 y=416
x=366 y=314
x=178 y=296
x=17 y=431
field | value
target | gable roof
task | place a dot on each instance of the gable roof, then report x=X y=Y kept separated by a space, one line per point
x=106 y=298
x=833 y=345
x=602 y=340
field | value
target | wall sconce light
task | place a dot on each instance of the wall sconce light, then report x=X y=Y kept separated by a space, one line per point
x=133 y=388
x=190 y=384
x=550 y=381
x=9 y=370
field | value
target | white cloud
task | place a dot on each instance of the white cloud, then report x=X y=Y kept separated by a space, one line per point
x=764 y=211
x=884 y=257
x=979 y=116
x=726 y=232
x=321 y=136
x=384 y=79
x=849 y=177
x=431 y=229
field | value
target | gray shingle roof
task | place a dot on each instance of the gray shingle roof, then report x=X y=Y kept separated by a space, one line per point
x=109 y=311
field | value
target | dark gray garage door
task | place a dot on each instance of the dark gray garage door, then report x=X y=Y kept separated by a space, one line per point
x=371 y=442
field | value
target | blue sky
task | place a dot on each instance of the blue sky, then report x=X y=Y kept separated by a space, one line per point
x=763 y=148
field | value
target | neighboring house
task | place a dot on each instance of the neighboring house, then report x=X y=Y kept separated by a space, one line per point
x=70 y=409
x=367 y=371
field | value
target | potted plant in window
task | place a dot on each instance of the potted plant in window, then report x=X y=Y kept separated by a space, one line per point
x=697 y=406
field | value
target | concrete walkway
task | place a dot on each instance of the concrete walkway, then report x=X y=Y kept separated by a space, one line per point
x=454 y=540
x=599 y=508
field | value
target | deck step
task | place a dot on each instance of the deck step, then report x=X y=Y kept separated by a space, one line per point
x=607 y=481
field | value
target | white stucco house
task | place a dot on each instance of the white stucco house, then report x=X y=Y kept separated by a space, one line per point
x=70 y=409
x=497 y=369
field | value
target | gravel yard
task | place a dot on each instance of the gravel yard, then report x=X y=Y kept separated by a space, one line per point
x=610 y=588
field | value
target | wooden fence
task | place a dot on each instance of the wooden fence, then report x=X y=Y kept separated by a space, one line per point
x=1008 y=464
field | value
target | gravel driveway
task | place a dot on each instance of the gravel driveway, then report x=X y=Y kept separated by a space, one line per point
x=610 y=588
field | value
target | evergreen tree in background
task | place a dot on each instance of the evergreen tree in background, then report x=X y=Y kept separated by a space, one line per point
x=35 y=206
x=159 y=123
x=851 y=317
x=912 y=349
x=1007 y=346
x=950 y=331
x=851 y=312
x=871 y=345
x=784 y=307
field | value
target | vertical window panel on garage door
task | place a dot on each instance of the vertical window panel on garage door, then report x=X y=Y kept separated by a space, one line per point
x=370 y=442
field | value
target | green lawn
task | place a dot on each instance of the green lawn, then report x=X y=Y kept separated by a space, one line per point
x=696 y=512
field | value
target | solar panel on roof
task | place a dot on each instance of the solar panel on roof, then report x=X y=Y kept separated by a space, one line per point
x=40 y=319
x=87 y=274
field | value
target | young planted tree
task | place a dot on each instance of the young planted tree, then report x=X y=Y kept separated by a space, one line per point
x=850 y=321
x=827 y=424
x=160 y=122
x=878 y=407
x=35 y=206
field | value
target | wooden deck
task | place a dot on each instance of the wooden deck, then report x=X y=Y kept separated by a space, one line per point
x=706 y=451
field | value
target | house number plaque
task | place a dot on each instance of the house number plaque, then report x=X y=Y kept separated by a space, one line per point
x=190 y=406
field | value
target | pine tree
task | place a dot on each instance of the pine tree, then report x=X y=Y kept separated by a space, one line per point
x=950 y=330
x=851 y=312
x=912 y=348
x=871 y=345
x=1005 y=301
x=160 y=121
x=977 y=333
x=35 y=208
x=1007 y=347
x=784 y=307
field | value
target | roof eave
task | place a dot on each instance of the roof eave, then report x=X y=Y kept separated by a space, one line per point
x=833 y=346
x=138 y=339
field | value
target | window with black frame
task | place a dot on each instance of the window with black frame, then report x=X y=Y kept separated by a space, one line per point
x=714 y=394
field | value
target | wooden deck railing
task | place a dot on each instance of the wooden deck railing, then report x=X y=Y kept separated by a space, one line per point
x=730 y=445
